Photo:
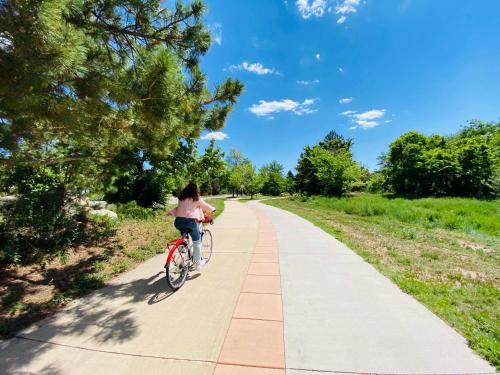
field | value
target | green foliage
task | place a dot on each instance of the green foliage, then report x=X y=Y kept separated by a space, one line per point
x=274 y=182
x=328 y=168
x=466 y=164
x=37 y=219
x=138 y=181
x=290 y=183
x=376 y=183
x=102 y=76
x=132 y=210
x=253 y=181
x=97 y=97
x=236 y=165
x=212 y=169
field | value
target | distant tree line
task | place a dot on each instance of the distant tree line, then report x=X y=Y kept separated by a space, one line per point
x=464 y=164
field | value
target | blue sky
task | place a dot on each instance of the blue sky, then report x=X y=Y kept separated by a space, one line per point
x=399 y=65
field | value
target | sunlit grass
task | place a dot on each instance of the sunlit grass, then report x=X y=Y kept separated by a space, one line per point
x=443 y=251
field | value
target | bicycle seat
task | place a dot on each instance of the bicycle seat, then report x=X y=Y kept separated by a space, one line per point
x=185 y=232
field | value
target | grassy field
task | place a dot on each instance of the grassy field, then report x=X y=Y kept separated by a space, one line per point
x=31 y=292
x=443 y=251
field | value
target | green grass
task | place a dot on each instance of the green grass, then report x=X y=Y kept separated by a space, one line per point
x=443 y=251
x=218 y=203
x=466 y=215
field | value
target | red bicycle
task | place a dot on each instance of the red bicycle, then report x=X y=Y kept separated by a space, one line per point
x=180 y=255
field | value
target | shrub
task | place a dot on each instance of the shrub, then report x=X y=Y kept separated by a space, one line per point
x=132 y=210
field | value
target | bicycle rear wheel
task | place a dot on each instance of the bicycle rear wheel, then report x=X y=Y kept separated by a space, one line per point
x=177 y=267
x=206 y=245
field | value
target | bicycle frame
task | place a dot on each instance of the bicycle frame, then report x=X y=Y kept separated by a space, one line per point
x=172 y=245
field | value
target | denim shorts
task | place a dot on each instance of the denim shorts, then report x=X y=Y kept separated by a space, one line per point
x=188 y=225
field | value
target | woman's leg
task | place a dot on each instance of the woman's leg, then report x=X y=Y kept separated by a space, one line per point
x=196 y=236
x=194 y=232
x=191 y=226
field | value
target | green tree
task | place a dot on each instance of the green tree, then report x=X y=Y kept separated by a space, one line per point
x=253 y=180
x=94 y=92
x=290 y=183
x=100 y=76
x=236 y=165
x=405 y=163
x=328 y=167
x=213 y=169
x=465 y=164
x=337 y=174
x=377 y=182
x=274 y=182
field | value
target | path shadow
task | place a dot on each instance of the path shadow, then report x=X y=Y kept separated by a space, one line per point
x=106 y=316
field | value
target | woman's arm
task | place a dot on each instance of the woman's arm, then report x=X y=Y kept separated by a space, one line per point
x=171 y=212
x=205 y=206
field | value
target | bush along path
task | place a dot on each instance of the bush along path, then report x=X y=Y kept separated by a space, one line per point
x=32 y=291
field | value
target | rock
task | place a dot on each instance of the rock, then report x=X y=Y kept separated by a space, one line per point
x=83 y=202
x=98 y=205
x=104 y=213
x=7 y=200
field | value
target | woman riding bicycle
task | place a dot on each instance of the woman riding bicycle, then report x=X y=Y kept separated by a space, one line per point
x=190 y=211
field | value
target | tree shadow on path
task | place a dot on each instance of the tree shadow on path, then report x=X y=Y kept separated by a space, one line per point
x=104 y=318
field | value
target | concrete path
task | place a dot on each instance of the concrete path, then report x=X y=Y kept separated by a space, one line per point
x=279 y=296
x=340 y=314
x=136 y=326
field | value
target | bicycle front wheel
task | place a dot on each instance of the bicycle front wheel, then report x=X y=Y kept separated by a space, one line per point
x=177 y=267
x=206 y=245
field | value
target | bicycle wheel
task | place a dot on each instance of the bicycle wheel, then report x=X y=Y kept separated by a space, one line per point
x=177 y=267
x=206 y=245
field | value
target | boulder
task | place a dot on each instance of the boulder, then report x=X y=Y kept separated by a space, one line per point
x=104 y=213
x=7 y=200
x=98 y=205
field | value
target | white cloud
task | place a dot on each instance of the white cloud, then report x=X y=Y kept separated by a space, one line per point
x=306 y=83
x=371 y=115
x=218 y=136
x=345 y=100
x=317 y=56
x=287 y=105
x=367 y=124
x=256 y=68
x=366 y=120
x=341 y=70
x=317 y=8
x=308 y=8
x=345 y=7
x=216 y=29
x=347 y=113
x=353 y=127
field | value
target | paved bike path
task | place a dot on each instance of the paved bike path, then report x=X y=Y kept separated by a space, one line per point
x=340 y=314
x=278 y=294
x=135 y=326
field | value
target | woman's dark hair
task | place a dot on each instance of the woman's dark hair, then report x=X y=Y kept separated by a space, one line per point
x=190 y=191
